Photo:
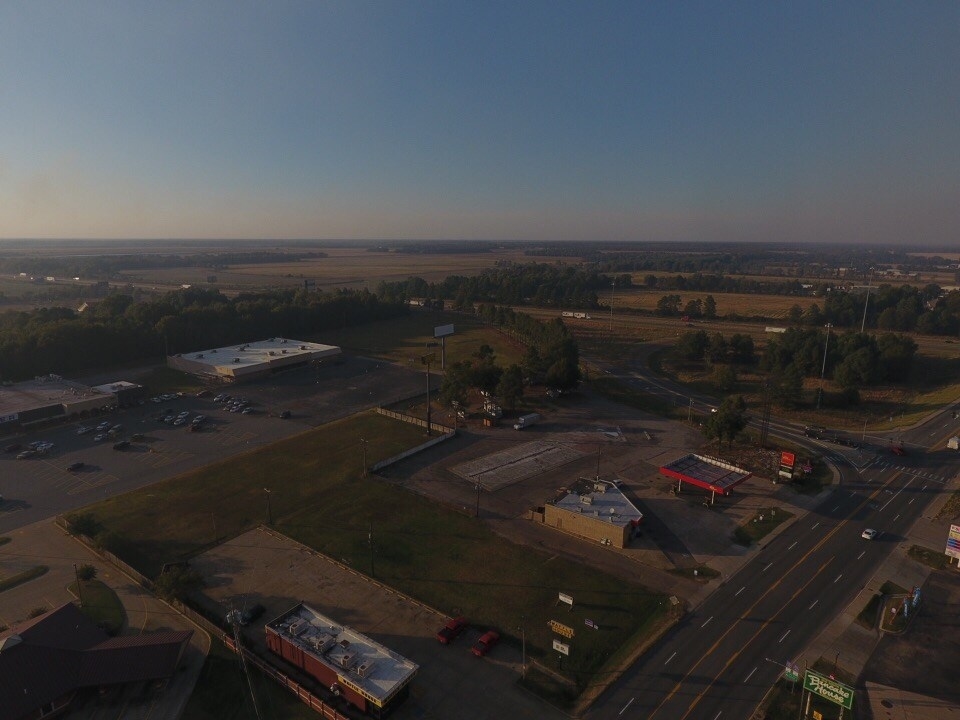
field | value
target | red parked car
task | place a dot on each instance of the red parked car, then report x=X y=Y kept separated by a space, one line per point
x=451 y=630
x=486 y=641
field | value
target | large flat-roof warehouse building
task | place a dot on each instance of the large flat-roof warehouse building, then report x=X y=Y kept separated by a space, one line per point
x=47 y=397
x=248 y=361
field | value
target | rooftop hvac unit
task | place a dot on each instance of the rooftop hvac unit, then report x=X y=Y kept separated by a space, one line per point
x=199 y=357
x=298 y=628
x=236 y=360
x=303 y=347
x=284 y=352
x=365 y=668
x=586 y=500
x=600 y=487
x=347 y=660
x=212 y=351
x=271 y=353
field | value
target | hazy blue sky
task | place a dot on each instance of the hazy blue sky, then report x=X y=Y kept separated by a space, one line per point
x=799 y=120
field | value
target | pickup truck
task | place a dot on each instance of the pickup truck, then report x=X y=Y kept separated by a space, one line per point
x=451 y=630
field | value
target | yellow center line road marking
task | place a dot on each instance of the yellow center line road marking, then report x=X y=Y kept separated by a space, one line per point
x=769 y=590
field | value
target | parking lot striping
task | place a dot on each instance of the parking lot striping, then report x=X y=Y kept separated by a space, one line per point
x=862 y=553
x=747 y=679
x=671 y=657
x=629 y=703
x=784 y=636
x=792 y=545
x=707 y=622
x=838 y=578
x=769 y=565
x=740 y=591
x=813 y=604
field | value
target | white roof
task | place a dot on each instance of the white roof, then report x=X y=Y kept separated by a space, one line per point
x=362 y=664
x=601 y=499
x=246 y=357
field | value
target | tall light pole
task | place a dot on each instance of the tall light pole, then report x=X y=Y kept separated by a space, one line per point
x=269 y=509
x=823 y=369
x=613 y=286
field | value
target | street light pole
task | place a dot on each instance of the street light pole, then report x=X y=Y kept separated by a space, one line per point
x=823 y=369
x=426 y=360
x=269 y=509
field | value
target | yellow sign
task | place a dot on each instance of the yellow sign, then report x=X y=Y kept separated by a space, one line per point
x=346 y=682
x=817 y=715
x=561 y=629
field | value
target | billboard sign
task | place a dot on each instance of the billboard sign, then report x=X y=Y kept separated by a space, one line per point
x=953 y=542
x=788 y=459
x=835 y=692
x=564 y=598
x=442 y=331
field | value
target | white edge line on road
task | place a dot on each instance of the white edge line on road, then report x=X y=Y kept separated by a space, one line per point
x=784 y=636
x=707 y=622
x=671 y=657
x=740 y=591
x=627 y=705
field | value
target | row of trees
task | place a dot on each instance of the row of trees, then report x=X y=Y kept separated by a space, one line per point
x=511 y=284
x=121 y=329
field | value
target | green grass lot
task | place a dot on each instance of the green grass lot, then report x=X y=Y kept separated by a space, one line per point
x=175 y=519
x=404 y=338
x=760 y=525
x=614 y=390
x=937 y=559
x=868 y=616
x=100 y=604
x=433 y=553
x=222 y=693
x=952 y=507
x=453 y=563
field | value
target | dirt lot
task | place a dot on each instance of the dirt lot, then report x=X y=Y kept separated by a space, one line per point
x=906 y=661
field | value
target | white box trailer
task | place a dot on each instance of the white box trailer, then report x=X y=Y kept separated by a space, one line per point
x=954 y=443
x=526 y=421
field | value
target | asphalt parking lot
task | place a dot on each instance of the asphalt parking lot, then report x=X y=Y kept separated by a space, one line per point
x=41 y=486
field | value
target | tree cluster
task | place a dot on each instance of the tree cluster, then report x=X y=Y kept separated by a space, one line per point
x=119 y=329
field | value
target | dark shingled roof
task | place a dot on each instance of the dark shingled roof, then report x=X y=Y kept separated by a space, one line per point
x=62 y=651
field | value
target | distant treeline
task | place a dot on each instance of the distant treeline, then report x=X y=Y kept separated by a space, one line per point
x=120 y=329
x=541 y=285
x=107 y=266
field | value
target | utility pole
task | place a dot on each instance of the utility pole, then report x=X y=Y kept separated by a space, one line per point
x=426 y=360
x=370 y=542
x=823 y=369
x=613 y=286
x=477 y=511
x=269 y=509
x=866 y=302
x=363 y=452
x=79 y=589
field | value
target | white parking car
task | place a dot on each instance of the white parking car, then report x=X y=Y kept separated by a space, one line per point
x=868 y=534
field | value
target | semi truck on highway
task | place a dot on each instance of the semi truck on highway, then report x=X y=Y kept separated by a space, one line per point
x=526 y=421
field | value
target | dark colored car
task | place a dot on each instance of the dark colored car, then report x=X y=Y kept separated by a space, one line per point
x=137 y=436
x=451 y=630
x=122 y=445
x=814 y=431
x=485 y=643
x=898 y=450
x=251 y=614
x=285 y=414
x=73 y=467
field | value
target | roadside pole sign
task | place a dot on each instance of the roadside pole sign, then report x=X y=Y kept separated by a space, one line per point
x=953 y=542
x=561 y=629
x=561 y=648
x=791 y=673
x=835 y=692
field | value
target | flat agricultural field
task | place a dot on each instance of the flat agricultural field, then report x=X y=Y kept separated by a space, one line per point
x=744 y=305
x=343 y=267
